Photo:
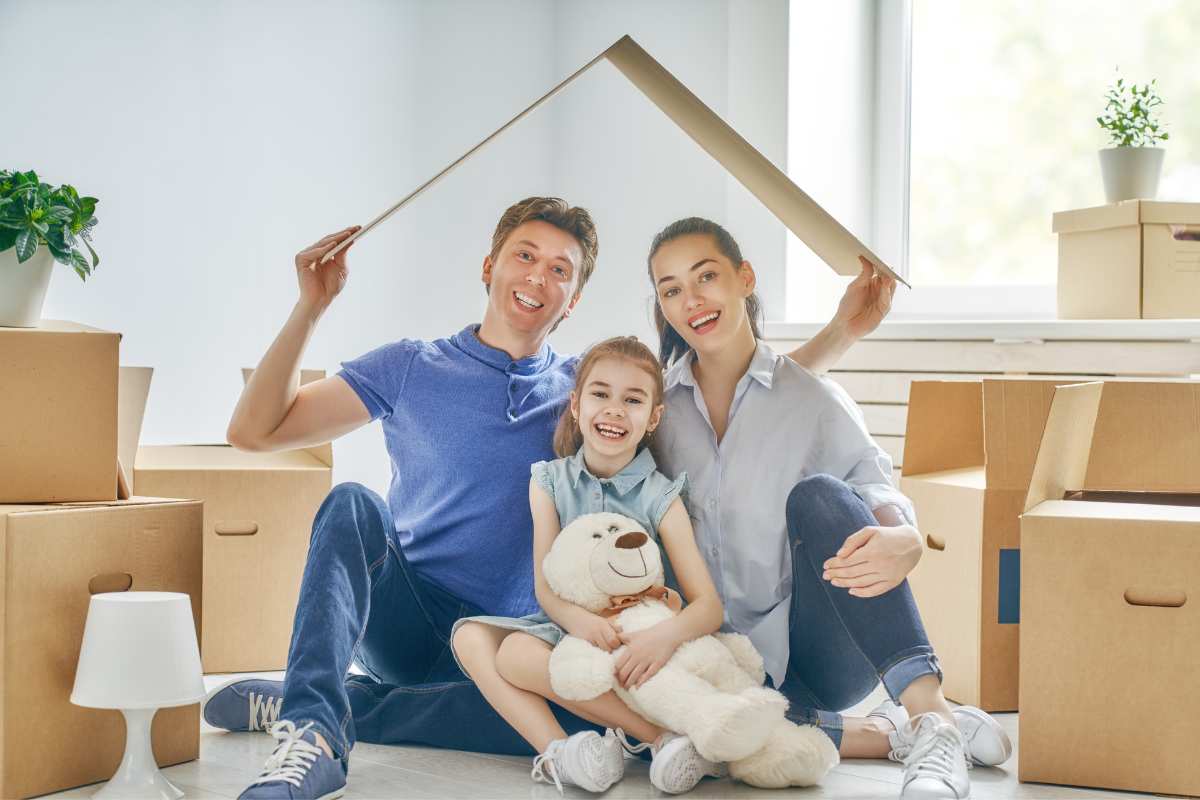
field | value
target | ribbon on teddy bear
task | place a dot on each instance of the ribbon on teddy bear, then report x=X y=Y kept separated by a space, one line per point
x=622 y=602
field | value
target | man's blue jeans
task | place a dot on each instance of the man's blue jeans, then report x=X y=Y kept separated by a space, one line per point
x=841 y=646
x=361 y=601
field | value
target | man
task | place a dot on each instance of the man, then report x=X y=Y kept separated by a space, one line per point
x=464 y=417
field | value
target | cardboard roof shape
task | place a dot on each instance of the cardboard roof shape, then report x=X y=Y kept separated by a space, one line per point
x=827 y=237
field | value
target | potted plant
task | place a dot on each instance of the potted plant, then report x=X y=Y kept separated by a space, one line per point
x=1132 y=166
x=39 y=225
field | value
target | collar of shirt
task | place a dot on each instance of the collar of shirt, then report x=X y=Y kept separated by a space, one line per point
x=468 y=341
x=633 y=473
x=762 y=368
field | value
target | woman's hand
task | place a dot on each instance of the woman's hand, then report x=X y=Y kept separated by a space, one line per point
x=320 y=283
x=874 y=560
x=645 y=653
x=867 y=300
x=597 y=630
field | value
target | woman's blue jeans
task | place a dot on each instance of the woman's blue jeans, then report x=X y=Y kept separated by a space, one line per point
x=841 y=646
x=361 y=601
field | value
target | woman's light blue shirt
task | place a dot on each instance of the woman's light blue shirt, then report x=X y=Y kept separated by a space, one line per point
x=785 y=424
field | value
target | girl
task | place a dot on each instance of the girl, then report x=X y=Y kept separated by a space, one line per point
x=797 y=519
x=603 y=465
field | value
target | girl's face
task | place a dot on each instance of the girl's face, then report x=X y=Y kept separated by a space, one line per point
x=615 y=407
x=702 y=295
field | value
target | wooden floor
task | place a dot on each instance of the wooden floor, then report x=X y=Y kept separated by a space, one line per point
x=228 y=761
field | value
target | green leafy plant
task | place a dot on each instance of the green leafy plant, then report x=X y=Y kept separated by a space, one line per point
x=1130 y=117
x=33 y=213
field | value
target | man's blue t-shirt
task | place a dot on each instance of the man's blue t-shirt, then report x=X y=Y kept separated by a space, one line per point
x=463 y=422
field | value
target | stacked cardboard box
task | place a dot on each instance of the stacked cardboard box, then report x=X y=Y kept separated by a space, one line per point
x=59 y=442
x=1130 y=260
x=969 y=452
x=1110 y=633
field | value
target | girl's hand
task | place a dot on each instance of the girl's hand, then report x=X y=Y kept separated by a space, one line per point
x=874 y=560
x=867 y=300
x=320 y=283
x=645 y=653
x=597 y=630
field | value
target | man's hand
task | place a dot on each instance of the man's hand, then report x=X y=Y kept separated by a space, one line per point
x=874 y=560
x=867 y=300
x=597 y=630
x=645 y=653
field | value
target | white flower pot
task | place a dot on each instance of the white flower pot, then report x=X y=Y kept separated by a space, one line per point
x=1131 y=173
x=23 y=287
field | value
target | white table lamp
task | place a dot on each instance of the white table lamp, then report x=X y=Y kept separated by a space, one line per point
x=139 y=654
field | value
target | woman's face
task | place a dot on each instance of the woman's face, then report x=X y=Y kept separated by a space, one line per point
x=701 y=293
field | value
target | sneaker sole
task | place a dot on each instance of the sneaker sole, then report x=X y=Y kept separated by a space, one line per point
x=658 y=765
x=986 y=721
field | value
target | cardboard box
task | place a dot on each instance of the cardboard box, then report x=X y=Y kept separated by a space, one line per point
x=52 y=559
x=1110 y=605
x=258 y=515
x=969 y=450
x=58 y=413
x=1129 y=260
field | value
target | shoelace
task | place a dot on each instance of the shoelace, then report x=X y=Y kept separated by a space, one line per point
x=292 y=758
x=547 y=764
x=934 y=755
x=264 y=711
x=904 y=748
x=629 y=748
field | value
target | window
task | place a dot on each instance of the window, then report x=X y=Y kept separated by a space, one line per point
x=997 y=124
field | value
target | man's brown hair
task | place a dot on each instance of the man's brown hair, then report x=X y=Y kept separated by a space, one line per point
x=554 y=210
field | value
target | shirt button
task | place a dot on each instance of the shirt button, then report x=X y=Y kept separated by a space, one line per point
x=712 y=503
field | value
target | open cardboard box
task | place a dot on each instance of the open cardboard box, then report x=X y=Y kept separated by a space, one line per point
x=1110 y=596
x=53 y=557
x=58 y=413
x=258 y=515
x=968 y=456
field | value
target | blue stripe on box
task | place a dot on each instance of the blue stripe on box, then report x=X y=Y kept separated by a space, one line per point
x=1010 y=587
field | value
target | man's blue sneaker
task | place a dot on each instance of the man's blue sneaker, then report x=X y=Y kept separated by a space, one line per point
x=243 y=704
x=298 y=769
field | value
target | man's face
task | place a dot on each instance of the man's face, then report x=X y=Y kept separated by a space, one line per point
x=532 y=283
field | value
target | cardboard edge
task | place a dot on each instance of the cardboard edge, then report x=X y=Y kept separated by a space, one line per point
x=1066 y=445
x=941 y=411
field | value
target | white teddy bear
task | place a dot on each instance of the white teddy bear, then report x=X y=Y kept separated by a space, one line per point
x=711 y=689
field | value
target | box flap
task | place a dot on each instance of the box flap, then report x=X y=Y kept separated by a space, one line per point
x=222 y=457
x=832 y=243
x=1147 y=438
x=1014 y=416
x=1063 y=453
x=57 y=508
x=945 y=426
x=1115 y=215
x=1153 y=211
x=322 y=452
x=57 y=326
x=133 y=387
x=1131 y=511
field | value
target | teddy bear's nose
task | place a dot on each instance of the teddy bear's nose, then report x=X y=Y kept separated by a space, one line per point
x=631 y=541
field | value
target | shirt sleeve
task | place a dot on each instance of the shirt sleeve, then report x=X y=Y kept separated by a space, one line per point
x=664 y=494
x=378 y=377
x=540 y=472
x=848 y=452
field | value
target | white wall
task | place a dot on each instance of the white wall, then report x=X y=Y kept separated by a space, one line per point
x=222 y=137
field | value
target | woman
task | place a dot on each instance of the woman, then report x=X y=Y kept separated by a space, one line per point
x=794 y=511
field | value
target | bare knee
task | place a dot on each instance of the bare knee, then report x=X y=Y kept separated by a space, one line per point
x=476 y=646
x=524 y=661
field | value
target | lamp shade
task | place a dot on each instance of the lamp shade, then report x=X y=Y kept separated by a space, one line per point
x=139 y=652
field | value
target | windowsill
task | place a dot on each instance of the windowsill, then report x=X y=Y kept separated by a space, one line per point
x=1012 y=330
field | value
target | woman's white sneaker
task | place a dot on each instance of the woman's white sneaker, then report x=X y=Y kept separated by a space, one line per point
x=585 y=759
x=936 y=764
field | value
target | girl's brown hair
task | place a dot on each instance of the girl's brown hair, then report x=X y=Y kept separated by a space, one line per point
x=568 y=438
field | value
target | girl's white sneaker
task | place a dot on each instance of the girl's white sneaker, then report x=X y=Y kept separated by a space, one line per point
x=584 y=759
x=678 y=766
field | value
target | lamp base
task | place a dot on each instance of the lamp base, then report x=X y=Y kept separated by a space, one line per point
x=138 y=776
